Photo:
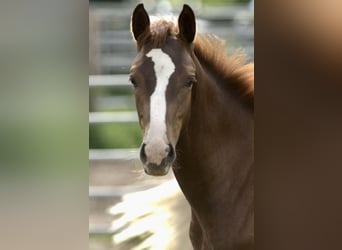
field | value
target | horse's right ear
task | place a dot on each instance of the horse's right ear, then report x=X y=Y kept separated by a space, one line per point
x=140 y=21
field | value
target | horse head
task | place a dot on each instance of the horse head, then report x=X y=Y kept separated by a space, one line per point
x=163 y=75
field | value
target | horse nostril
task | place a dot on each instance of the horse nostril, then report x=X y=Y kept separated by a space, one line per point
x=170 y=151
x=143 y=156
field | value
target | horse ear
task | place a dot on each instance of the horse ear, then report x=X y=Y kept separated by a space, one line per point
x=187 y=24
x=140 y=21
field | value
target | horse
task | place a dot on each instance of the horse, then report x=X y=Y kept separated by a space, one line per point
x=195 y=106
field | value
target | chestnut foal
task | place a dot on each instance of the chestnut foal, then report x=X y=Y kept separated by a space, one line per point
x=195 y=108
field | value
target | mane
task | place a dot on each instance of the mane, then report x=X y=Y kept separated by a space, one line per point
x=160 y=29
x=237 y=76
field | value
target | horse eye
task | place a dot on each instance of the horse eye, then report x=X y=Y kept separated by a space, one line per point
x=132 y=80
x=189 y=83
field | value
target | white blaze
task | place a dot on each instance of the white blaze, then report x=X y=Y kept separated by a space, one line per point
x=163 y=68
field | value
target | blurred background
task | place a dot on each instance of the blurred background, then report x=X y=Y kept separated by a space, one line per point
x=128 y=209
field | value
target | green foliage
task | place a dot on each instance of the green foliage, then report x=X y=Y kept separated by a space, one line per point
x=114 y=135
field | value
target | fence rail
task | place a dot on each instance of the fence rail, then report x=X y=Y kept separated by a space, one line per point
x=118 y=80
x=113 y=117
x=113 y=154
x=112 y=81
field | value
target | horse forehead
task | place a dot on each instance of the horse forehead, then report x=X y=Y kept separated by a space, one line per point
x=163 y=63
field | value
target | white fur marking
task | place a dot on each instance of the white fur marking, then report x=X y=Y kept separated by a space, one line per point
x=163 y=68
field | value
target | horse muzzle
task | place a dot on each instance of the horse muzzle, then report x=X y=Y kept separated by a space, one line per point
x=157 y=158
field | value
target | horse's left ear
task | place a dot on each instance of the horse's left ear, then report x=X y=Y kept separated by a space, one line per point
x=187 y=24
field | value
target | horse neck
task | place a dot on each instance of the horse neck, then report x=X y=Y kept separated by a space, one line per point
x=215 y=149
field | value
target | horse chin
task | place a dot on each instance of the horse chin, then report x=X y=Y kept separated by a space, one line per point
x=156 y=170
